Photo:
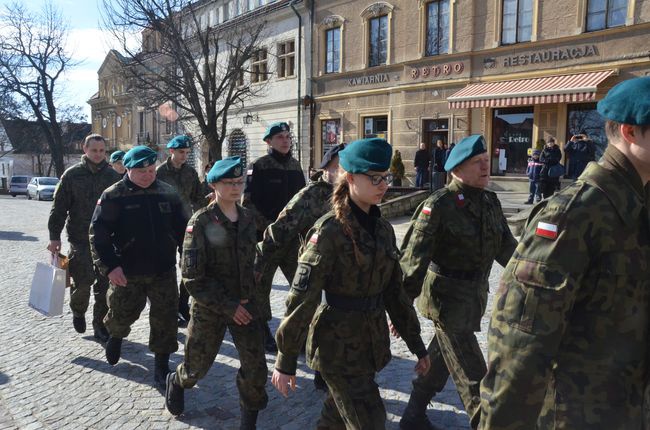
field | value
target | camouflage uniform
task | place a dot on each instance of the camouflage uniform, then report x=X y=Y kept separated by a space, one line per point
x=448 y=251
x=282 y=238
x=74 y=201
x=186 y=182
x=139 y=230
x=348 y=339
x=217 y=269
x=568 y=338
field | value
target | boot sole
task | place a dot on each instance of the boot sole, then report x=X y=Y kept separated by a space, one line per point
x=169 y=383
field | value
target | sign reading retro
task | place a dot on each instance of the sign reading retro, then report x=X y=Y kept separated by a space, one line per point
x=437 y=70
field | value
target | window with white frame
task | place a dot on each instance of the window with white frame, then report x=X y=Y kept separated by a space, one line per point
x=286 y=59
x=437 y=27
x=517 y=24
x=259 y=66
x=378 y=41
x=603 y=14
x=333 y=50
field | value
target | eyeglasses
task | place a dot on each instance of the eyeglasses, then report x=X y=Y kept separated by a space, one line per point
x=376 y=179
x=234 y=183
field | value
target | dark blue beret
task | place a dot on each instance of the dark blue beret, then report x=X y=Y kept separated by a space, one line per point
x=628 y=102
x=467 y=148
x=275 y=128
x=116 y=156
x=227 y=168
x=139 y=156
x=180 y=142
x=330 y=154
x=363 y=155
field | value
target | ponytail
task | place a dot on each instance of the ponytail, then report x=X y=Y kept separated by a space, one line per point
x=342 y=209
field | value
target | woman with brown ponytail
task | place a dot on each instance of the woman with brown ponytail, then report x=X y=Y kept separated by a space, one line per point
x=352 y=257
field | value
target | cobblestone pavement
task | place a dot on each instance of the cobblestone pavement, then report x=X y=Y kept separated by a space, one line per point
x=51 y=377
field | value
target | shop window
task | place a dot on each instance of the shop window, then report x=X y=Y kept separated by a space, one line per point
x=584 y=119
x=331 y=132
x=517 y=24
x=259 y=66
x=603 y=14
x=378 y=41
x=375 y=126
x=512 y=136
x=286 y=59
x=437 y=27
x=333 y=50
x=238 y=145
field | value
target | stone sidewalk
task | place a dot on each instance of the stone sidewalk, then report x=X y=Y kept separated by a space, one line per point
x=53 y=378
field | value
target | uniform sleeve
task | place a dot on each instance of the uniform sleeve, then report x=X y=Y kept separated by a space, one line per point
x=508 y=241
x=198 y=197
x=531 y=312
x=179 y=220
x=314 y=266
x=59 y=212
x=251 y=194
x=418 y=247
x=102 y=227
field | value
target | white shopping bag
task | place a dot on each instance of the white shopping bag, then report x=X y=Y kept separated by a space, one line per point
x=48 y=289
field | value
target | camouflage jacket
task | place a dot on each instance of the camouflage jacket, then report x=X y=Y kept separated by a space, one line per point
x=75 y=198
x=568 y=338
x=218 y=259
x=186 y=182
x=346 y=342
x=136 y=228
x=283 y=237
x=272 y=181
x=462 y=230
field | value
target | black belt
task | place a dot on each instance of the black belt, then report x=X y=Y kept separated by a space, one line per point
x=349 y=303
x=462 y=275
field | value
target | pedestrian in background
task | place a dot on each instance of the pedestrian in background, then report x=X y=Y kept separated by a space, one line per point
x=533 y=171
x=421 y=164
x=116 y=162
x=74 y=202
x=447 y=254
x=552 y=169
x=568 y=337
x=352 y=261
x=438 y=174
x=217 y=268
x=580 y=150
x=135 y=232
x=273 y=180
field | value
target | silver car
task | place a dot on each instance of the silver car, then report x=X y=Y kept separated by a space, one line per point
x=42 y=188
x=18 y=185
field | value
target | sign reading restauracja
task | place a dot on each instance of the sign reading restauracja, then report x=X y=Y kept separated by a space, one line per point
x=557 y=54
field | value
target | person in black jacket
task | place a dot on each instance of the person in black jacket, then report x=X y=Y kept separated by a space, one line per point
x=135 y=231
x=438 y=173
x=272 y=181
x=551 y=156
x=580 y=151
x=421 y=164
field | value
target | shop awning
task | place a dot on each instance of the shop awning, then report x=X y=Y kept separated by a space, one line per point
x=580 y=87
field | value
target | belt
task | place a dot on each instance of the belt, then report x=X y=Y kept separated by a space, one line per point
x=463 y=275
x=349 y=303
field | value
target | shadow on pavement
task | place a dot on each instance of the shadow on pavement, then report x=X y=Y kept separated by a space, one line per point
x=4 y=378
x=16 y=236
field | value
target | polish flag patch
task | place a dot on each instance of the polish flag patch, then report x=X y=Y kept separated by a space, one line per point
x=426 y=210
x=546 y=230
x=460 y=201
x=99 y=202
x=314 y=238
x=189 y=229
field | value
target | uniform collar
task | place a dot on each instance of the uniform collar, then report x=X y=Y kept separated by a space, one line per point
x=367 y=220
x=94 y=168
x=282 y=158
x=220 y=218
x=171 y=167
x=133 y=187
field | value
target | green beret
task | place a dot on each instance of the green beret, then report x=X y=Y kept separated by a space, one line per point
x=227 y=168
x=140 y=156
x=180 y=142
x=366 y=154
x=628 y=102
x=116 y=156
x=467 y=148
x=275 y=128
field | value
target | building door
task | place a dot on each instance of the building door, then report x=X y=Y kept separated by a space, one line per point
x=512 y=135
x=434 y=130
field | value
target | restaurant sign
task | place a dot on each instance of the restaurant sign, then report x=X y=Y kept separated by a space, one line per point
x=547 y=56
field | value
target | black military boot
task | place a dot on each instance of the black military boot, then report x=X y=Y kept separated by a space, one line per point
x=113 y=350
x=415 y=414
x=174 y=396
x=101 y=334
x=248 y=419
x=79 y=324
x=161 y=368
x=319 y=382
x=269 y=341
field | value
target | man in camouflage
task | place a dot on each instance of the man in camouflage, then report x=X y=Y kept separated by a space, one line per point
x=568 y=338
x=137 y=226
x=177 y=173
x=74 y=201
x=454 y=237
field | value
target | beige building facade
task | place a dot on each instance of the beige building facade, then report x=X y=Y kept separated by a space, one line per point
x=513 y=70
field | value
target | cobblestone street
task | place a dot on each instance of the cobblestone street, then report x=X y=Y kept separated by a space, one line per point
x=52 y=377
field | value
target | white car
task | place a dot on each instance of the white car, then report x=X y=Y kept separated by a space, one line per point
x=42 y=188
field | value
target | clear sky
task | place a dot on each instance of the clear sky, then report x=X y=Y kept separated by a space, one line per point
x=86 y=43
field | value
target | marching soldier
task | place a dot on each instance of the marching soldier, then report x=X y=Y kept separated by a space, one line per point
x=352 y=257
x=273 y=180
x=568 y=338
x=135 y=231
x=448 y=251
x=218 y=256
x=74 y=201
x=116 y=162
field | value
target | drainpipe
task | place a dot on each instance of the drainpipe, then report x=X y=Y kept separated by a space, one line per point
x=299 y=121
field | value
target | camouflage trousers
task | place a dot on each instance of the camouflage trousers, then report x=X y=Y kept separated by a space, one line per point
x=84 y=277
x=125 y=304
x=205 y=334
x=457 y=354
x=288 y=267
x=353 y=403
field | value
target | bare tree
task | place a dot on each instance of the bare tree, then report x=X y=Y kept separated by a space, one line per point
x=33 y=58
x=204 y=70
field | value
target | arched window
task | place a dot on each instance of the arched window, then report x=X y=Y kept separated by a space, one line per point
x=238 y=145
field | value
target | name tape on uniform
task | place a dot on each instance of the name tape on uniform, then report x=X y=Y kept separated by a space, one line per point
x=546 y=230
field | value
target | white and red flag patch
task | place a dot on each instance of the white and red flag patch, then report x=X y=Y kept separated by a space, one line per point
x=426 y=210
x=546 y=230
x=314 y=238
x=99 y=202
x=189 y=229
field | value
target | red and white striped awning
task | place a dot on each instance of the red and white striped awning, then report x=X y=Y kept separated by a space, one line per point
x=580 y=87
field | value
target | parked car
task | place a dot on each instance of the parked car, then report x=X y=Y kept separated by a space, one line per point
x=42 y=188
x=18 y=185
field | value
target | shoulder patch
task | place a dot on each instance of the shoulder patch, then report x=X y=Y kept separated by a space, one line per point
x=189 y=229
x=314 y=238
x=546 y=230
x=99 y=202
